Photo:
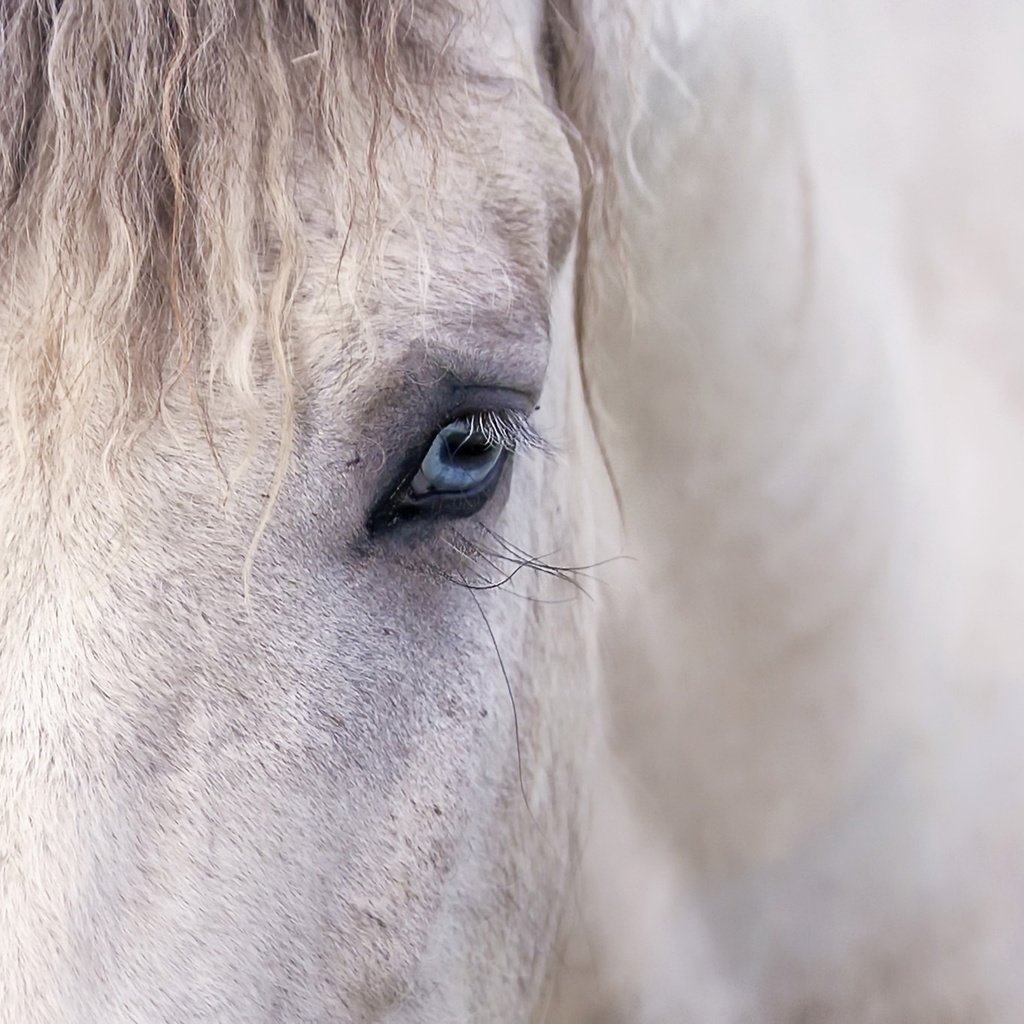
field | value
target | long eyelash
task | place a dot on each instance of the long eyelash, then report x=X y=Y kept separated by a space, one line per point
x=509 y=429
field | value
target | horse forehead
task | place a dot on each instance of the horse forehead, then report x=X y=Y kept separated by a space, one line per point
x=475 y=236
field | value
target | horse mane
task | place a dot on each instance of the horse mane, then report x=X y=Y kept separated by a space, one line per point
x=148 y=226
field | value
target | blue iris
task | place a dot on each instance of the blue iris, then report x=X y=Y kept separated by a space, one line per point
x=461 y=458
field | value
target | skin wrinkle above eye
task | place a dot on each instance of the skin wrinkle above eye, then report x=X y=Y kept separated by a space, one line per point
x=488 y=353
x=514 y=355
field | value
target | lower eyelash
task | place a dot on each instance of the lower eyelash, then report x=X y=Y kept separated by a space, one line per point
x=508 y=429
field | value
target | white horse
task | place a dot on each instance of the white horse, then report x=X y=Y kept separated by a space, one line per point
x=308 y=310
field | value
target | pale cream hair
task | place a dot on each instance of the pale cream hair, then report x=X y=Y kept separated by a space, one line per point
x=148 y=218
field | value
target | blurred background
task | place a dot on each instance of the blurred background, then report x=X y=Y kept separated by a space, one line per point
x=816 y=657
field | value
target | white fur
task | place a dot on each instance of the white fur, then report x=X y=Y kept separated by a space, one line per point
x=797 y=795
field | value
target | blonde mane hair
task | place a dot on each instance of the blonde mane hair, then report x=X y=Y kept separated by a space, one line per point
x=148 y=226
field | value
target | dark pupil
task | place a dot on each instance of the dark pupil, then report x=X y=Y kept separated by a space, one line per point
x=467 y=449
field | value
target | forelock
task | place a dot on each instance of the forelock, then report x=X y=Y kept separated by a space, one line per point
x=148 y=224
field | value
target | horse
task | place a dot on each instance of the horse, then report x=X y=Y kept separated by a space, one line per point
x=347 y=344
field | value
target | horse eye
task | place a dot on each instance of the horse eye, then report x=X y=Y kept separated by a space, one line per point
x=455 y=478
x=461 y=459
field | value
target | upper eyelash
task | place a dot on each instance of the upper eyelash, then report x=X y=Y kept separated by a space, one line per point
x=509 y=429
